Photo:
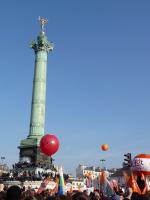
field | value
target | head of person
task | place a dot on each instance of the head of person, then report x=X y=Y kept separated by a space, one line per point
x=134 y=196
x=97 y=196
x=80 y=196
x=13 y=193
x=143 y=197
x=1 y=187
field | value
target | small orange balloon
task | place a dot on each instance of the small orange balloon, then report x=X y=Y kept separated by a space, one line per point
x=104 y=147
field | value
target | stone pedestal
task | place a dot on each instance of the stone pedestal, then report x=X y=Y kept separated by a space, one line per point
x=34 y=155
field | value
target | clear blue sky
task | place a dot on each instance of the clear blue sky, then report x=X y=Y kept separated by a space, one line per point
x=98 y=78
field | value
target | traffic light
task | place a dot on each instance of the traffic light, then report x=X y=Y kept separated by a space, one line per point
x=127 y=160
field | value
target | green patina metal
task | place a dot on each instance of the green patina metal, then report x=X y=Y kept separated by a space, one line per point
x=37 y=120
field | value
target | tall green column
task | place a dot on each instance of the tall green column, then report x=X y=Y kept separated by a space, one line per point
x=37 y=120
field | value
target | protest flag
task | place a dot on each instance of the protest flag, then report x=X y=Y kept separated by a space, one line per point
x=43 y=185
x=105 y=185
x=61 y=185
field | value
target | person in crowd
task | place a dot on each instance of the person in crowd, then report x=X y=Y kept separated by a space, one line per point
x=116 y=194
x=92 y=196
x=13 y=193
x=128 y=193
x=80 y=196
x=97 y=195
x=2 y=195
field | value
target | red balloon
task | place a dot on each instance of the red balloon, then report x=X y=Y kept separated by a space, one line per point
x=49 y=144
x=104 y=147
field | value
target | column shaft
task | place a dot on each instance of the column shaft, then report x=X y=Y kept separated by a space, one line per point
x=37 y=119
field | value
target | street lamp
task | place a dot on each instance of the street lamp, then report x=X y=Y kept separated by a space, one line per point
x=102 y=163
x=2 y=159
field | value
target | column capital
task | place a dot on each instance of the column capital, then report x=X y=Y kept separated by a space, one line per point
x=42 y=44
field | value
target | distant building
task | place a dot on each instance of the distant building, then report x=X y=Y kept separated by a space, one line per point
x=75 y=184
x=83 y=171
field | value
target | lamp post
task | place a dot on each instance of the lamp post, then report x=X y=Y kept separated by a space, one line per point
x=102 y=163
x=2 y=159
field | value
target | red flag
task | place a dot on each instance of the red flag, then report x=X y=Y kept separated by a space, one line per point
x=71 y=189
x=133 y=184
x=43 y=186
x=79 y=189
x=55 y=190
x=102 y=177
x=126 y=177
x=142 y=177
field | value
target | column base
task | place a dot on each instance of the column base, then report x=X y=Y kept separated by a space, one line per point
x=30 y=152
x=30 y=142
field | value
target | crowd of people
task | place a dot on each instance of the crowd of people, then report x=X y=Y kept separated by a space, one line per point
x=136 y=188
x=25 y=175
x=22 y=171
x=16 y=193
x=25 y=164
